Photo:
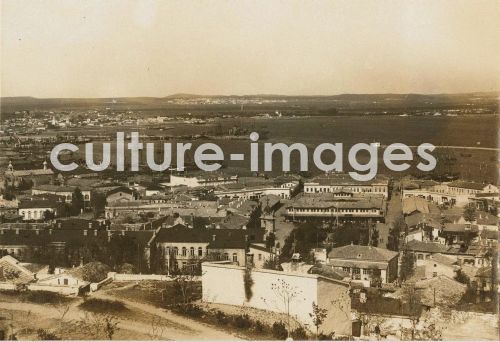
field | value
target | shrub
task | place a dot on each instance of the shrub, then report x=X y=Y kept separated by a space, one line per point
x=43 y=297
x=242 y=321
x=221 y=317
x=102 y=305
x=259 y=327
x=323 y=337
x=46 y=335
x=299 y=334
x=279 y=331
x=191 y=310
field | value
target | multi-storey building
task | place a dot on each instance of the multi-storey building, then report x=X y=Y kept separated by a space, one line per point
x=339 y=207
x=341 y=182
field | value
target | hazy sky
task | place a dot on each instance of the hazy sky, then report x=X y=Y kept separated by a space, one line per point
x=156 y=48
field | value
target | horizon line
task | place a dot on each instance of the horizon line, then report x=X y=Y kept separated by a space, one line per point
x=254 y=95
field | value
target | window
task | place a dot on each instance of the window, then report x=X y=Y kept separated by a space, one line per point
x=191 y=252
x=235 y=257
x=226 y=256
x=176 y=251
x=200 y=251
x=420 y=256
x=184 y=251
x=260 y=257
x=346 y=269
x=356 y=270
x=434 y=274
x=65 y=281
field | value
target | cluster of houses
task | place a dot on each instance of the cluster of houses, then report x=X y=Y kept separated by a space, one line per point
x=225 y=226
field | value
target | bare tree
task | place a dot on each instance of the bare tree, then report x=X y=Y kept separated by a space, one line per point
x=286 y=295
x=157 y=329
x=184 y=285
x=98 y=326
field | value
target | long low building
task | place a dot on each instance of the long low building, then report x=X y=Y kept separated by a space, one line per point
x=454 y=193
x=65 y=191
x=201 y=180
x=196 y=208
x=340 y=207
x=342 y=182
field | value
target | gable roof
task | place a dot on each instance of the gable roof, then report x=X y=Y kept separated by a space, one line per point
x=429 y=247
x=215 y=238
x=21 y=274
x=412 y=204
x=119 y=189
x=467 y=185
x=365 y=253
x=443 y=259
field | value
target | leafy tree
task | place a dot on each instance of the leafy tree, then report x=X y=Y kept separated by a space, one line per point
x=8 y=192
x=318 y=316
x=270 y=240
x=48 y=215
x=98 y=203
x=374 y=238
x=271 y=264
x=399 y=226
x=461 y=277
x=407 y=265
x=470 y=212
x=302 y=239
x=77 y=202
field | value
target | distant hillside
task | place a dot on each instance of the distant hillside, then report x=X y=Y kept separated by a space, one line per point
x=347 y=102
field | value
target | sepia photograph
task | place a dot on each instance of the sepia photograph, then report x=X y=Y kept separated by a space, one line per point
x=262 y=170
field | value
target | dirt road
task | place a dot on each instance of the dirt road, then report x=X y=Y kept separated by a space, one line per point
x=173 y=327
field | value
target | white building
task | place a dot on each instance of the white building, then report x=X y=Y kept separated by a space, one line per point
x=205 y=180
x=342 y=182
x=455 y=193
x=271 y=287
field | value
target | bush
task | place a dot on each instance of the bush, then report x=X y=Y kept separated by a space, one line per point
x=279 y=331
x=46 y=335
x=221 y=317
x=103 y=306
x=323 y=337
x=242 y=321
x=191 y=310
x=43 y=297
x=299 y=334
x=259 y=327
x=127 y=269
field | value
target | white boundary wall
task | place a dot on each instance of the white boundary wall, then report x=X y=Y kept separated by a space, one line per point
x=223 y=283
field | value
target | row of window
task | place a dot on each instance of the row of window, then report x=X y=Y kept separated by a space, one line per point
x=193 y=252
x=184 y=251
x=35 y=214
x=300 y=210
x=332 y=189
